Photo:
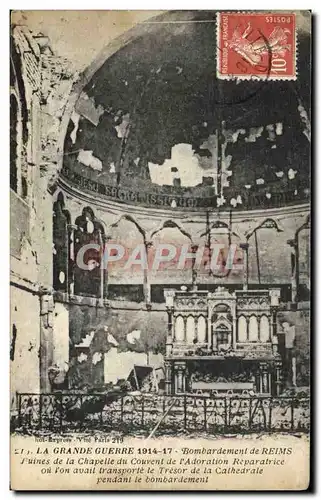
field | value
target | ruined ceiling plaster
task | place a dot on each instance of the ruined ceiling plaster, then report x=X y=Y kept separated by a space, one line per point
x=153 y=109
x=157 y=101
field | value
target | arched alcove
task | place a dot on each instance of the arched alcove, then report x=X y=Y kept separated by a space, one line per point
x=89 y=238
x=242 y=329
x=264 y=329
x=267 y=245
x=253 y=329
x=125 y=278
x=190 y=329
x=179 y=329
x=170 y=241
x=201 y=329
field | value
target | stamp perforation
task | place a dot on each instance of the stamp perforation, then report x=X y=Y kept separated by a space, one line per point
x=254 y=76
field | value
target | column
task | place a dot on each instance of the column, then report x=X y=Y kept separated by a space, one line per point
x=101 y=239
x=278 y=382
x=184 y=378
x=46 y=338
x=265 y=378
x=147 y=290
x=180 y=377
x=106 y=239
x=294 y=371
x=247 y=328
x=270 y=381
x=71 y=258
x=257 y=380
x=260 y=379
x=185 y=324
x=214 y=338
x=245 y=248
x=294 y=268
x=168 y=378
x=196 y=329
x=169 y=338
x=234 y=331
x=275 y=344
x=274 y=323
x=194 y=271
x=209 y=333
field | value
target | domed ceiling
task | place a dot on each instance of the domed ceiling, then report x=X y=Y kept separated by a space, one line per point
x=155 y=126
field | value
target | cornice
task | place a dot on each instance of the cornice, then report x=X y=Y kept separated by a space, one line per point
x=115 y=207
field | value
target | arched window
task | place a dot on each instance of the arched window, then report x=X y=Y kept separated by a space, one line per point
x=253 y=329
x=179 y=329
x=264 y=329
x=13 y=143
x=190 y=329
x=242 y=329
x=201 y=329
x=89 y=232
x=61 y=267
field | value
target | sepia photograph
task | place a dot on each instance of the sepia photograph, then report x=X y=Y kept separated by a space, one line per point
x=160 y=185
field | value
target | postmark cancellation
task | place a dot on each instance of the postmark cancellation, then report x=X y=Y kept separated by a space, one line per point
x=256 y=46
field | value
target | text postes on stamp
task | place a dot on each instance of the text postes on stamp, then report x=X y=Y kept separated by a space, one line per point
x=256 y=46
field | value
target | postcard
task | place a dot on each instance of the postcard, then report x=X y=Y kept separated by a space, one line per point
x=160 y=250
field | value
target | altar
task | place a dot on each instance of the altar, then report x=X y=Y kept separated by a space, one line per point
x=222 y=343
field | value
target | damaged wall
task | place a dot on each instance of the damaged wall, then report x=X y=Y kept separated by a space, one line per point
x=24 y=342
x=40 y=82
x=118 y=365
x=60 y=336
x=123 y=337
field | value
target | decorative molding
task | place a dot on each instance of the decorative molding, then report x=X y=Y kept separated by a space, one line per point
x=115 y=207
x=190 y=303
x=268 y=223
x=253 y=303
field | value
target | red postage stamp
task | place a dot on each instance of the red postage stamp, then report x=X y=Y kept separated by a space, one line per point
x=256 y=46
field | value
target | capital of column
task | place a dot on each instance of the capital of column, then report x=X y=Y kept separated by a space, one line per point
x=278 y=364
x=263 y=367
x=180 y=367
